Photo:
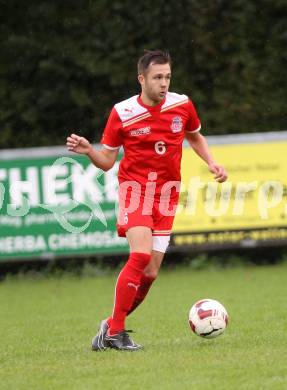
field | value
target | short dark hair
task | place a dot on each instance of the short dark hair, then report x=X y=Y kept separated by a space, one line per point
x=153 y=57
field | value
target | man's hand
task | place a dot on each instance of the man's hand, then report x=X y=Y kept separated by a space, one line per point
x=219 y=172
x=78 y=144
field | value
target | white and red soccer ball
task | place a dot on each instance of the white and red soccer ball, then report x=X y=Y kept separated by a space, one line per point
x=208 y=318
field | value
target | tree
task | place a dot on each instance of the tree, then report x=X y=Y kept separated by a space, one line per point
x=65 y=64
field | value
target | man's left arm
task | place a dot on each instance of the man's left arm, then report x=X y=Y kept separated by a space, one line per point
x=199 y=144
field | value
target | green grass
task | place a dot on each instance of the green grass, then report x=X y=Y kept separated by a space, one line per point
x=47 y=324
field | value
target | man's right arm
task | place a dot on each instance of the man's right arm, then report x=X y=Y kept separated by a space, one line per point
x=103 y=159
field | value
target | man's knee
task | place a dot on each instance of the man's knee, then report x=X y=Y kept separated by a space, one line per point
x=151 y=273
x=152 y=269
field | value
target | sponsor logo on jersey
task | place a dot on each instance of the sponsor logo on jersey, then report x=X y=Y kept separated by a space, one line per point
x=176 y=124
x=142 y=131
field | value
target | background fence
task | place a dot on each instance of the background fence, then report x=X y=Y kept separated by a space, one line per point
x=54 y=203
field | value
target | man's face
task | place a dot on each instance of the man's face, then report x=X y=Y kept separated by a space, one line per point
x=155 y=82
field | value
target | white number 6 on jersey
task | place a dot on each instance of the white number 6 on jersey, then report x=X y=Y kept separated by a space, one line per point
x=160 y=147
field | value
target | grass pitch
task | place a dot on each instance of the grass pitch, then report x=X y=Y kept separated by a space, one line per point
x=47 y=325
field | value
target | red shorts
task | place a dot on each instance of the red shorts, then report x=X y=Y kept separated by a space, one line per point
x=137 y=210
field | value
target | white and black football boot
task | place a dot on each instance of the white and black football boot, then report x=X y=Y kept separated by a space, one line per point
x=99 y=342
x=122 y=341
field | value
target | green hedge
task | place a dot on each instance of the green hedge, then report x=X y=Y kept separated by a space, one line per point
x=64 y=64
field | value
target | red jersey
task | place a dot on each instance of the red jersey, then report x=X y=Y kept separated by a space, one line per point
x=151 y=137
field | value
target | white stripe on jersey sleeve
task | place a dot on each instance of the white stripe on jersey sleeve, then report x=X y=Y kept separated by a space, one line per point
x=111 y=147
x=194 y=131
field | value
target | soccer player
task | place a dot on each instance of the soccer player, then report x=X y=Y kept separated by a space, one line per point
x=151 y=128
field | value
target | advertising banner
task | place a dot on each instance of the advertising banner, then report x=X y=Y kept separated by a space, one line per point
x=250 y=208
x=57 y=206
x=53 y=203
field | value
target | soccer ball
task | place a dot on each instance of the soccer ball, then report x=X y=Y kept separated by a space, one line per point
x=208 y=318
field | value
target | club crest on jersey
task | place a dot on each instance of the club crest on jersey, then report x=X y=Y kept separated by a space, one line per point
x=176 y=124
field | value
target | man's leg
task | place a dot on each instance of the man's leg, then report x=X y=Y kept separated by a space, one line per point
x=128 y=282
x=111 y=332
x=149 y=276
x=161 y=237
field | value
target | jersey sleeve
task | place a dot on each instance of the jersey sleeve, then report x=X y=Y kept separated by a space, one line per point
x=193 y=123
x=112 y=135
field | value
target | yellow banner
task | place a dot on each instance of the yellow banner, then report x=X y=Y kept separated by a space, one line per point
x=255 y=195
